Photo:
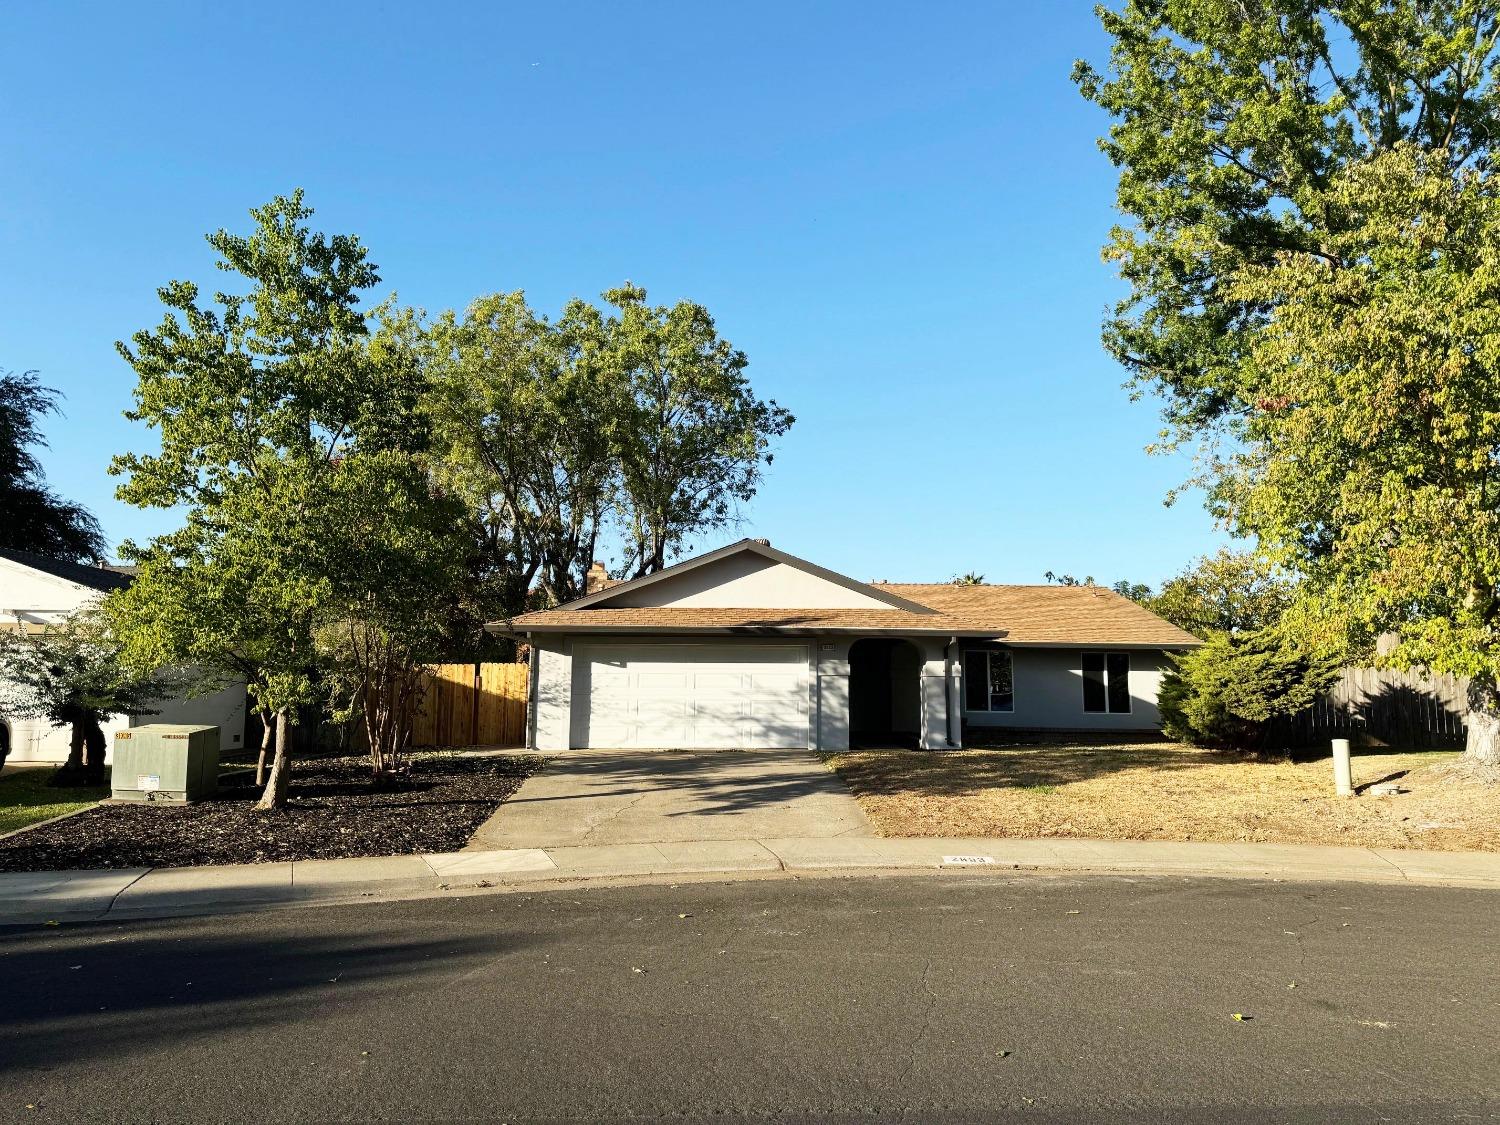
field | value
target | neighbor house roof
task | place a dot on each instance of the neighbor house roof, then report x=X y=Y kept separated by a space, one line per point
x=1017 y=615
x=80 y=574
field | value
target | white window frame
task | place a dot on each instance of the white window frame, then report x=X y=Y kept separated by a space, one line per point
x=1104 y=655
x=989 y=697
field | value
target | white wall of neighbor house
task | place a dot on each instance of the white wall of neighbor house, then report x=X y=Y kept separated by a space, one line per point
x=38 y=598
x=33 y=740
x=747 y=581
x=1049 y=692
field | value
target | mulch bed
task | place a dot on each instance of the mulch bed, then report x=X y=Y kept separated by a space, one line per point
x=332 y=812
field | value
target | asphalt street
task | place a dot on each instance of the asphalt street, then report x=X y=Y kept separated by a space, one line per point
x=956 y=997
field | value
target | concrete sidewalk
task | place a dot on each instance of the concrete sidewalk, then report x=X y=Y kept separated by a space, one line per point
x=48 y=896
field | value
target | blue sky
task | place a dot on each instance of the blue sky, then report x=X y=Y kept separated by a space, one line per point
x=895 y=210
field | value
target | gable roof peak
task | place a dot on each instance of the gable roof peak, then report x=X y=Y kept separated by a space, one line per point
x=760 y=547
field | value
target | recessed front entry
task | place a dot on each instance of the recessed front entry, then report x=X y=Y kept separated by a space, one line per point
x=885 y=708
x=672 y=696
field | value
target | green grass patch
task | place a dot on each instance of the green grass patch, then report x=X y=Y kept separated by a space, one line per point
x=25 y=797
x=1039 y=790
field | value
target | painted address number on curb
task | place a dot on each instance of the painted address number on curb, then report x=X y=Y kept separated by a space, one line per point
x=968 y=859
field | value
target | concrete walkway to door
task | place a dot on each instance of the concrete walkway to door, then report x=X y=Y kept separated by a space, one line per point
x=588 y=797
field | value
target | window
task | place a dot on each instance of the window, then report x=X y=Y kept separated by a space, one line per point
x=1106 y=682
x=988 y=683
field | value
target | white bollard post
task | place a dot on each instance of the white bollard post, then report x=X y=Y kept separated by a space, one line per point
x=1343 y=771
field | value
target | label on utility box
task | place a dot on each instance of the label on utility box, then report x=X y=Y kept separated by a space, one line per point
x=148 y=782
x=968 y=859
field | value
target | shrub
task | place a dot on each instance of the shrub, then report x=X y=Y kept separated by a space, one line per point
x=1232 y=691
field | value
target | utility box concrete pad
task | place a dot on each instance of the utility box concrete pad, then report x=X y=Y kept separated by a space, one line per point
x=166 y=762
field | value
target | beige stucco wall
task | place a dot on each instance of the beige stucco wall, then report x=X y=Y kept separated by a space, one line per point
x=747 y=581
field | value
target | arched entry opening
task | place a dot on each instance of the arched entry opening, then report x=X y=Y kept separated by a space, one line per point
x=885 y=694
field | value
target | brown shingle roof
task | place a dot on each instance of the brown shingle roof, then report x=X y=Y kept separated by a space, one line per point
x=1036 y=615
x=1050 y=614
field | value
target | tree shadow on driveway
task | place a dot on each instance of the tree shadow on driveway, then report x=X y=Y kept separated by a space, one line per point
x=712 y=782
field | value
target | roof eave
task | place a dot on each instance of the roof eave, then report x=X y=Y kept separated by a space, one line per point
x=1105 y=643
x=520 y=629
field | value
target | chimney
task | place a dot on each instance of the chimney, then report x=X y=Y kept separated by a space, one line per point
x=596 y=579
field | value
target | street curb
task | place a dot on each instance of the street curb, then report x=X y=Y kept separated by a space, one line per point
x=54 y=897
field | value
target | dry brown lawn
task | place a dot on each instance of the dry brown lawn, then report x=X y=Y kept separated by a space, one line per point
x=1165 y=791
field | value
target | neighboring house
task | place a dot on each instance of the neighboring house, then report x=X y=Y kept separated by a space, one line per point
x=35 y=592
x=748 y=646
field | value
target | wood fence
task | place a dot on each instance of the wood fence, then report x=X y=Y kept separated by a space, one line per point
x=473 y=705
x=1387 y=706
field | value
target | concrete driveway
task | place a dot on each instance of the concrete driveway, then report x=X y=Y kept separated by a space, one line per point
x=587 y=797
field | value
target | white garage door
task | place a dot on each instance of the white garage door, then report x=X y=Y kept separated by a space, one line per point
x=709 y=696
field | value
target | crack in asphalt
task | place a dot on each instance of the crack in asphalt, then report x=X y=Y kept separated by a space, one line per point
x=920 y=1037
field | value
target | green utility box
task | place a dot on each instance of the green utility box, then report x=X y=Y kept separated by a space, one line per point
x=166 y=762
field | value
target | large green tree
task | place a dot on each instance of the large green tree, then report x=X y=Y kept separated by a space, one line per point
x=1309 y=258
x=397 y=582
x=1372 y=465
x=270 y=405
x=197 y=602
x=1231 y=122
x=525 y=412
x=694 y=438
x=1227 y=592
x=629 y=429
x=32 y=516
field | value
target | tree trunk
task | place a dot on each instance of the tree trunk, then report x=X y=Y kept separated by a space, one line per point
x=96 y=746
x=1484 y=722
x=274 y=796
x=267 y=737
x=74 y=764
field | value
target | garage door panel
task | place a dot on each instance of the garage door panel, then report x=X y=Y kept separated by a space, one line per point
x=718 y=710
x=663 y=682
x=775 y=683
x=711 y=696
x=723 y=683
x=718 y=736
x=772 y=736
x=774 y=711
x=613 y=734
x=662 y=711
x=607 y=683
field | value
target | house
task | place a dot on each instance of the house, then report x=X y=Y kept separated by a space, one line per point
x=748 y=646
x=35 y=592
